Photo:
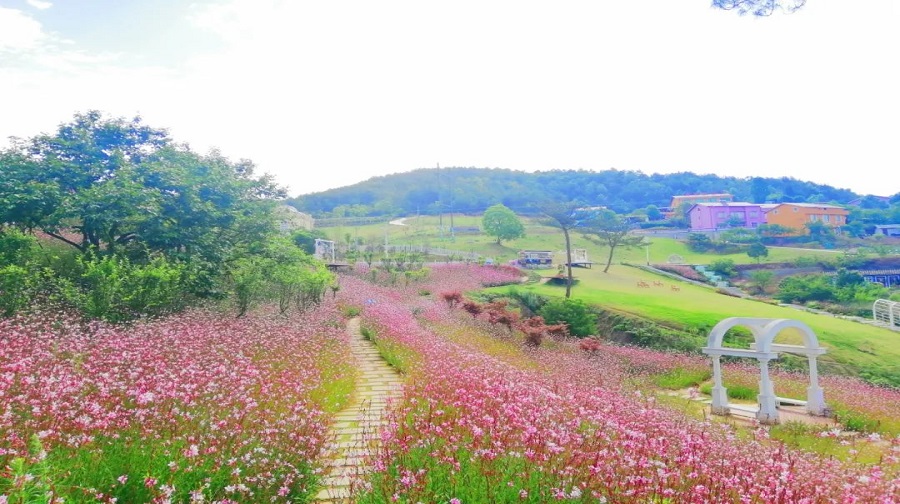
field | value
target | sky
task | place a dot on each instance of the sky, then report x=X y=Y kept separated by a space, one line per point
x=323 y=94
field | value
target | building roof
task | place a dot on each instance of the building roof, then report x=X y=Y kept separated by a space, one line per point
x=727 y=203
x=812 y=205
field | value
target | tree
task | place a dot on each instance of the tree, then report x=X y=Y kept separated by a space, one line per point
x=572 y=312
x=699 y=242
x=611 y=230
x=501 y=222
x=759 y=7
x=757 y=251
x=653 y=213
x=724 y=267
x=759 y=190
x=762 y=280
x=562 y=216
x=121 y=185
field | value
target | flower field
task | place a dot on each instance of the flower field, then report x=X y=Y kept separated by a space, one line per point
x=474 y=428
x=201 y=407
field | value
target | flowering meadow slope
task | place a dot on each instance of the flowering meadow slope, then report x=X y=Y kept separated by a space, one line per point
x=201 y=407
x=472 y=428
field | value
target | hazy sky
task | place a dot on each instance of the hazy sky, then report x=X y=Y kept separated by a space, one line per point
x=328 y=93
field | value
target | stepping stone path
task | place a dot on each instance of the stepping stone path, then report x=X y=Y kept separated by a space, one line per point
x=356 y=431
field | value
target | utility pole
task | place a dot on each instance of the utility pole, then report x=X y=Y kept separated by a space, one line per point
x=440 y=204
x=452 y=236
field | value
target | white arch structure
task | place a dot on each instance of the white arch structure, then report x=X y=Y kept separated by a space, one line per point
x=765 y=349
x=886 y=312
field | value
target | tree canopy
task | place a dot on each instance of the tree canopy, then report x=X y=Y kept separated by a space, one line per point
x=611 y=230
x=148 y=223
x=110 y=184
x=562 y=215
x=501 y=222
x=475 y=189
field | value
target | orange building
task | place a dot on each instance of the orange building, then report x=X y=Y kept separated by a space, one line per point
x=797 y=215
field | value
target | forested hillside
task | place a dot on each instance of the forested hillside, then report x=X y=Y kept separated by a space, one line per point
x=475 y=189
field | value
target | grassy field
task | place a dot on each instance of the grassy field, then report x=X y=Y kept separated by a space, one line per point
x=851 y=346
x=424 y=230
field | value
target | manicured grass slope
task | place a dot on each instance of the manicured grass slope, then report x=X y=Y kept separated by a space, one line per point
x=424 y=230
x=849 y=343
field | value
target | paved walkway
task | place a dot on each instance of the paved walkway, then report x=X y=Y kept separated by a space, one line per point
x=356 y=431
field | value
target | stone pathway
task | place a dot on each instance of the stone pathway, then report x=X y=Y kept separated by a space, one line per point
x=356 y=431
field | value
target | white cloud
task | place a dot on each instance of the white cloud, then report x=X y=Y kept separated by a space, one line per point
x=38 y=4
x=323 y=94
x=18 y=30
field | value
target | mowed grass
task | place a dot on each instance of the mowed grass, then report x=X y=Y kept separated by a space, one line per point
x=425 y=230
x=859 y=346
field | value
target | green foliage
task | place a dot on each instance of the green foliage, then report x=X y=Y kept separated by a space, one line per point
x=699 y=242
x=502 y=223
x=115 y=289
x=734 y=391
x=621 y=191
x=844 y=287
x=805 y=288
x=680 y=378
x=280 y=272
x=306 y=239
x=531 y=302
x=15 y=289
x=17 y=248
x=653 y=213
x=762 y=280
x=574 y=313
x=724 y=267
x=757 y=251
x=117 y=187
x=610 y=230
x=28 y=480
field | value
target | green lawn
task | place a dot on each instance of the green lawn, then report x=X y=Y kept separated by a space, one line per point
x=424 y=230
x=851 y=346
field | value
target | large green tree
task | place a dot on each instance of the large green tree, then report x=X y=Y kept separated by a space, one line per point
x=502 y=223
x=563 y=216
x=105 y=185
x=609 y=229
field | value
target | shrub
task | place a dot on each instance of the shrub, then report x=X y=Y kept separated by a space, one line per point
x=684 y=271
x=452 y=298
x=15 y=292
x=572 y=312
x=17 y=248
x=724 y=267
x=472 y=308
x=114 y=289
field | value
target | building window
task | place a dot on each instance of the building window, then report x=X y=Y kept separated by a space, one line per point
x=795 y=209
x=826 y=218
x=752 y=213
x=720 y=215
x=813 y=217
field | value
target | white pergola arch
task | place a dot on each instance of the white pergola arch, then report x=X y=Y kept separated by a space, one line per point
x=886 y=312
x=764 y=349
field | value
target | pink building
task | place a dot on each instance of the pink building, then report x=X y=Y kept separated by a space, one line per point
x=725 y=214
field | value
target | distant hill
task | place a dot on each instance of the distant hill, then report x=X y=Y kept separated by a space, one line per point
x=474 y=189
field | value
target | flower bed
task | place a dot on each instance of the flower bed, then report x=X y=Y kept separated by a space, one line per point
x=471 y=428
x=200 y=407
